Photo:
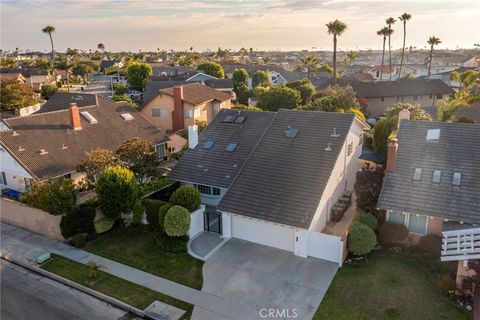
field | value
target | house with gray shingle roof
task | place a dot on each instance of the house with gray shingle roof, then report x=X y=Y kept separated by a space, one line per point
x=432 y=182
x=50 y=144
x=273 y=177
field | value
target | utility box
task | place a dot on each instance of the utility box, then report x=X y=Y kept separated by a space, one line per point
x=43 y=258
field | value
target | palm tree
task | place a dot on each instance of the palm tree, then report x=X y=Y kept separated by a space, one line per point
x=101 y=47
x=404 y=18
x=384 y=32
x=267 y=59
x=49 y=30
x=432 y=41
x=390 y=21
x=336 y=28
x=352 y=56
x=311 y=63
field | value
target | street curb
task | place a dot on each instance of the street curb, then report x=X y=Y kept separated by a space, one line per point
x=77 y=286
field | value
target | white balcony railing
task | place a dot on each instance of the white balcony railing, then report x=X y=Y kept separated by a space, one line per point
x=461 y=244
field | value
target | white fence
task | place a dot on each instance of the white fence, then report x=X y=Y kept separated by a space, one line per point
x=325 y=246
x=196 y=223
x=461 y=244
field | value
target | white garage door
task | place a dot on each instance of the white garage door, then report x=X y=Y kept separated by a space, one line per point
x=265 y=233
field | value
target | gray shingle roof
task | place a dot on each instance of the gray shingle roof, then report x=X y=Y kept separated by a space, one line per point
x=458 y=150
x=215 y=166
x=62 y=100
x=284 y=178
x=52 y=130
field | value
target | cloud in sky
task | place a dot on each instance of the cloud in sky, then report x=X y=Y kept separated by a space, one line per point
x=261 y=24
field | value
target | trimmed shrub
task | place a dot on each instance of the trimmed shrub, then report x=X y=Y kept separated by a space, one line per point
x=361 y=239
x=177 y=221
x=187 y=197
x=80 y=220
x=162 y=213
x=152 y=209
x=392 y=233
x=172 y=245
x=103 y=225
x=137 y=213
x=55 y=196
x=431 y=244
x=117 y=191
x=368 y=219
x=79 y=240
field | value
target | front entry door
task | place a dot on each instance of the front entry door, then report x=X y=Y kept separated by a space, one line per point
x=212 y=220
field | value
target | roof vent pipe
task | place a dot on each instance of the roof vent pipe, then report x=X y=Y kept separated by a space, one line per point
x=329 y=147
x=334 y=133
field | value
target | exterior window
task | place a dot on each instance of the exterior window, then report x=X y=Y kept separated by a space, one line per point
x=417 y=174
x=416 y=98
x=378 y=74
x=160 y=151
x=350 y=148
x=439 y=96
x=417 y=223
x=360 y=139
x=198 y=113
x=157 y=112
x=3 y=178
x=188 y=114
x=457 y=178
x=216 y=191
x=436 y=176
x=396 y=217
x=203 y=189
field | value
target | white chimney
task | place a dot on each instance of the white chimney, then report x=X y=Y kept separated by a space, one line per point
x=192 y=136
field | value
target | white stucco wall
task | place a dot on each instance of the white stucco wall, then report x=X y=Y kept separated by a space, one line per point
x=15 y=174
x=196 y=222
x=226 y=225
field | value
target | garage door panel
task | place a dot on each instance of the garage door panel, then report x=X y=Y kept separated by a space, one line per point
x=265 y=233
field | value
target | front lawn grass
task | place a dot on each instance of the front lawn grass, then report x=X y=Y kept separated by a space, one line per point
x=123 y=290
x=137 y=248
x=389 y=286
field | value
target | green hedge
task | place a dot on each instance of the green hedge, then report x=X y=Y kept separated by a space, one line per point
x=80 y=220
x=187 y=197
x=177 y=221
x=152 y=210
x=162 y=213
x=368 y=219
x=361 y=239
x=103 y=225
x=137 y=213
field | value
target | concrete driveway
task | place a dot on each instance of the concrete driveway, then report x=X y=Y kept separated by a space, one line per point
x=262 y=277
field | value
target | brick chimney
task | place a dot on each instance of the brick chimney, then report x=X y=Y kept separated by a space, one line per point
x=392 y=156
x=403 y=115
x=177 y=114
x=74 y=117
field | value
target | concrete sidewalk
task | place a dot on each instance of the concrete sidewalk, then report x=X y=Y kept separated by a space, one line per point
x=26 y=247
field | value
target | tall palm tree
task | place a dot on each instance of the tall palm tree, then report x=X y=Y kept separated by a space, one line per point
x=384 y=33
x=101 y=47
x=390 y=21
x=336 y=28
x=351 y=56
x=49 y=30
x=267 y=59
x=432 y=41
x=311 y=63
x=404 y=18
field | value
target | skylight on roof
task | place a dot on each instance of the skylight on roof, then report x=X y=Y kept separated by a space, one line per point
x=208 y=144
x=126 y=116
x=231 y=147
x=457 y=178
x=239 y=119
x=292 y=132
x=436 y=176
x=417 y=174
x=433 y=134
x=89 y=117
x=228 y=119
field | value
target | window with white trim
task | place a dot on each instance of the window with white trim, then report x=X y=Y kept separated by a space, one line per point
x=396 y=217
x=350 y=148
x=417 y=223
x=188 y=114
x=207 y=190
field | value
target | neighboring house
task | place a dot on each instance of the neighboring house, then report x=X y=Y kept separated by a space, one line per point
x=62 y=100
x=379 y=96
x=445 y=76
x=375 y=72
x=176 y=108
x=34 y=77
x=161 y=69
x=432 y=183
x=272 y=178
x=50 y=144
x=12 y=76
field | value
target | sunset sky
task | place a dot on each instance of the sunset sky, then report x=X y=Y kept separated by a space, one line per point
x=261 y=24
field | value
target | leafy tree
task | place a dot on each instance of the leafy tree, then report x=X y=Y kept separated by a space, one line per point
x=367 y=188
x=119 y=98
x=177 y=221
x=305 y=87
x=416 y=111
x=56 y=197
x=15 y=95
x=120 y=89
x=49 y=30
x=367 y=219
x=279 y=97
x=101 y=47
x=382 y=133
x=95 y=162
x=311 y=62
x=336 y=28
x=240 y=78
x=361 y=239
x=187 y=197
x=82 y=69
x=404 y=18
x=137 y=74
x=243 y=93
x=261 y=78
x=392 y=233
x=7 y=62
x=432 y=41
x=80 y=220
x=139 y=156
x=212 y=69
x=447 y=108
x=117 y=191
x=48 y=90
x=240 y=106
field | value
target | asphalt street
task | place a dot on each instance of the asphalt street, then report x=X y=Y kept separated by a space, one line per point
x=100 y=84
x=29 y=296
